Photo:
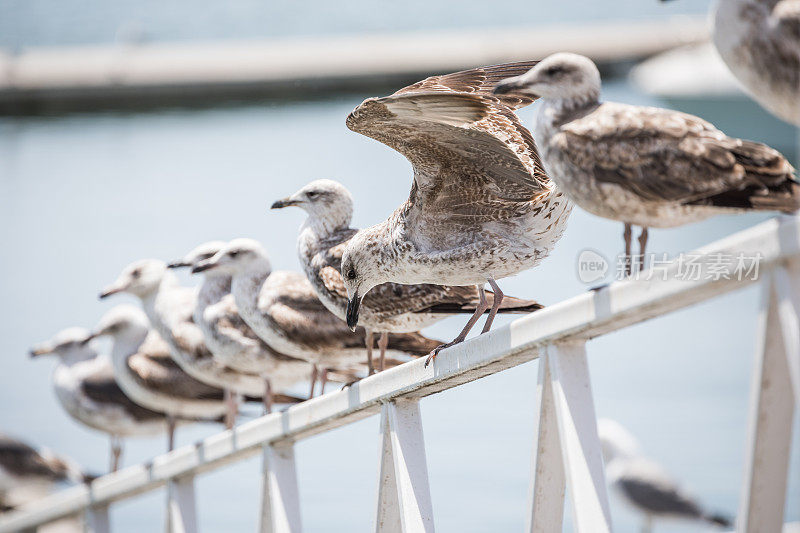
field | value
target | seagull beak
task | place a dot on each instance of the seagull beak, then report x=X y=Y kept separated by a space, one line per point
x=202 y=266
x=508 y=85
x=179 y=264
x=352 y=311
x=41 y=349
x=286 y=202
x=111 y=289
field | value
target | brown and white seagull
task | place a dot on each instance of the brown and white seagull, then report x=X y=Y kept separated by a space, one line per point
x=481 y=207
x=645 y=166
x=759 y=40
x=85 y=386
x=282 y=308
x=390 y=307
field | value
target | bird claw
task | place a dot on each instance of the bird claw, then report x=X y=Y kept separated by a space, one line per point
x=438 y=349
x=350 y=383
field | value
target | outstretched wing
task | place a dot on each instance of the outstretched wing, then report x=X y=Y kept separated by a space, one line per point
x=659 y=155
x=473 y=161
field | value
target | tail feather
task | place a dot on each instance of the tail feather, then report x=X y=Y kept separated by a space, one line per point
x=719 y=519
x=510 y=304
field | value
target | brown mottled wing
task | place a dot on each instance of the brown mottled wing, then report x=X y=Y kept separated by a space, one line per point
x=477 y=80
x=787 y=15
x=21 y=460
x=155 y=369
x=289 y=300
x=103 y=389
x=664 y=155
x=474 y=163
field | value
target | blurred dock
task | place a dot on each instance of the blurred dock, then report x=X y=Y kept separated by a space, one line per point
x=134 y=75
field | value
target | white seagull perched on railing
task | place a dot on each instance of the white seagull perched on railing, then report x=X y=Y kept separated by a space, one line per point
x=282 y=309
x=146 y=372
x=643 y=484
x=390 y=307
x=231 y=340
x=759 y=40
x=170 y=309
x=85 y=386
x=645 y=166
x=481 y=207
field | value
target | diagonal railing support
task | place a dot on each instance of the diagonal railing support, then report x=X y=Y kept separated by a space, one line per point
x=280 y=502
x=404 y=496
x=566 y=406
x=772 y=408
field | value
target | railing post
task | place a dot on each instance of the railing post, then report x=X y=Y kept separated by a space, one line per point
x=772 y=407
x=181 y=505
x=404 y=496
x=96 y=520
x=280 y=501
x=569 y=387
x=546 y=490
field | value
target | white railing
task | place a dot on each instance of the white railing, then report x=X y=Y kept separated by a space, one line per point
x=567 y=451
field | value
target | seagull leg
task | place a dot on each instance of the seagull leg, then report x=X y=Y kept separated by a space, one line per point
x=627 y=234
x=383 y=342
x=314 y=374
x=498 y=299
x=267 y=396
x=642 y=246
x=482 y=307
x=369 y=343
x=171 y=433
x=647 y=526
x=323 y=380
x=116 y=452
x=230 y=411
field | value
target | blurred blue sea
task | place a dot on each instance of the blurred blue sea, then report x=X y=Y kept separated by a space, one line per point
x=83 y=195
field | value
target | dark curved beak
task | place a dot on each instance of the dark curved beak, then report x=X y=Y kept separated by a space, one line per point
x=507 y=86
x=108 y=291
x=352 y=312
x=202 y=266
x=40 y=349
x=178 y=264
x=286 y=202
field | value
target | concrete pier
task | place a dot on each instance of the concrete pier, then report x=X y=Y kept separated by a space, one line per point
x=111 y=76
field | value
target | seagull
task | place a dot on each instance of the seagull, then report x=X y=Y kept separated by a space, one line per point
x=643 y=165
x=27 y=474
x=230 y=339
x=643 y=484
x=282 y=309
x=170 y=308
x=759 y=40
x=389 y=307
x=85 y=386
x=481 y=207
x=145 y=370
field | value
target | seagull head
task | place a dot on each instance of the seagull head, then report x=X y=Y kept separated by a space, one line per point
x=68 y=344
x=616 y=441
x=558 y=76
x=140 y=278
x=362 y=269
x=327 y=202
x=122 y=321
x=237 y=257
x=200 y=253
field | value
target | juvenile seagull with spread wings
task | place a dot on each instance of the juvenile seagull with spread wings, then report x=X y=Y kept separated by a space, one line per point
x=145 y=371
x=390 y=307
x=170 y=309
x=643 y=165
x=759 y=40
x=282 y=309
x=87 y=390
x=481 y=207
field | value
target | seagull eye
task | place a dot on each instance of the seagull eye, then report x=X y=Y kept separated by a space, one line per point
x=136 y=273
x=351 y=274
x=233 y=253
x=552 y=71
x=312 y=194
